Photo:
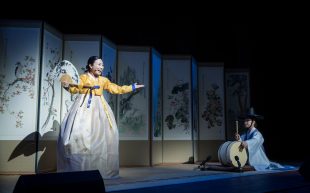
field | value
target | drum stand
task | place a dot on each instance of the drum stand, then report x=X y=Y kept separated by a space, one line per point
x=238 y=170
x=203 y=164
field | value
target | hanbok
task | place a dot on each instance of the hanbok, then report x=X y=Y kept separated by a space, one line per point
x=89 y=138
x=256 y=153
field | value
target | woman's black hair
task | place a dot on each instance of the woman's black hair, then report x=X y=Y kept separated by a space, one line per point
x=91 y=60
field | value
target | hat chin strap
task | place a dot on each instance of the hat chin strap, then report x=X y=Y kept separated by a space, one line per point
x=252 y=123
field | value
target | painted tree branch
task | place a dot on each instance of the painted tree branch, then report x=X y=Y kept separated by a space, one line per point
x=50 y=108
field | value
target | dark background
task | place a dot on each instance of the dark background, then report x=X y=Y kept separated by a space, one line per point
x=268 y=43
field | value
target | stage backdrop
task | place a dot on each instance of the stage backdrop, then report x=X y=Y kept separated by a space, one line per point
x=211 y=109
x=177 y=112
x=77 y=49
x=19 y=62
x=237 y=98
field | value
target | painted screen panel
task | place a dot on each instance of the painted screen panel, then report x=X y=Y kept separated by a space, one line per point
x=19 y=63
x=50 y=89
x=177 y=99
x=237 y=98
x=109 y=55
x=195 y=99
x=211 y=103
x=133 y=109
x=157 y=96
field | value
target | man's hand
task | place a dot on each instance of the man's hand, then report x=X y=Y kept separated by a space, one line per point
x=237 y=137
x=244 y=144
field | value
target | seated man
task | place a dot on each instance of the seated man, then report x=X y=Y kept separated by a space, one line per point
x=253 y=141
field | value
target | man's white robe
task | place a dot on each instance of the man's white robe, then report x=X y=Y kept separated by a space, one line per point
x=257 y=155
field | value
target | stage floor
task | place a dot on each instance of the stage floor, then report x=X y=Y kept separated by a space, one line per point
x=143 y=177
x=133 y=178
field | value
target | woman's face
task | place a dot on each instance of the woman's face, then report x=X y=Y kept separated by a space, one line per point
x=96 y=68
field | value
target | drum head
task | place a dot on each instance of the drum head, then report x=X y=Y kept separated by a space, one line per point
x=236 y=154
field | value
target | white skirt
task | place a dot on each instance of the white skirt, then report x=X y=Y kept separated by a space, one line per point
x=87 y=141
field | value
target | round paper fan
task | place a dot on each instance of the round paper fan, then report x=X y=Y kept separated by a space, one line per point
x=65 y=71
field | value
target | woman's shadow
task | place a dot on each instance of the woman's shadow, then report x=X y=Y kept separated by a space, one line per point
x=35 y=143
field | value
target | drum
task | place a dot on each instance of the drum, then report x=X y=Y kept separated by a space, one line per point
x=230 y=154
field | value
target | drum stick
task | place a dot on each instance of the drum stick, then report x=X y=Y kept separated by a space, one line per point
x=237 y=127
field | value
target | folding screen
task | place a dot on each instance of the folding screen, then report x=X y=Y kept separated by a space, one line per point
x=19 y=83
x=211 y=109
x=211 y=100
x=177 y=112
x=176 y=96
x=157 y=110
x=50 y=103
x=195 y=109
x=133 y=109
x=50 y=89
x=133 y=115
x=237 y=98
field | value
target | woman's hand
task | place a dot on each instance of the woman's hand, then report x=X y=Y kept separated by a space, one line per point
x=139 y=85
x=65 y=84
